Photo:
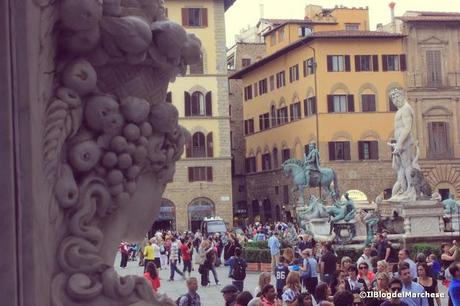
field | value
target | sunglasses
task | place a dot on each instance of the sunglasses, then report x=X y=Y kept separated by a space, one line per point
x=395 y=288
x=363 y=267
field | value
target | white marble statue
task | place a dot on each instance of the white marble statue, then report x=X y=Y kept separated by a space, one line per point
x=405 y=149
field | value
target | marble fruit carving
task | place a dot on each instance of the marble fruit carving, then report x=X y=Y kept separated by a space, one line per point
x=111 y=141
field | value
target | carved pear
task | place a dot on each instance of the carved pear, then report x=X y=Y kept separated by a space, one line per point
x=129 y=33
x=66 y=190
x=135 y=109
x=84 y=156
x=164 y=117
x=80 y=15
x=80 y=76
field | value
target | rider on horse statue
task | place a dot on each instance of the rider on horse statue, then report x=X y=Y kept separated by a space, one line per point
x=311 y=161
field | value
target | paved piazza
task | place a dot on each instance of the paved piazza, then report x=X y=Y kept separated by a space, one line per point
x=209 y=296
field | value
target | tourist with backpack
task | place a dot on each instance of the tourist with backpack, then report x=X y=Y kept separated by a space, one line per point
x=192 y=298
x=238 y=266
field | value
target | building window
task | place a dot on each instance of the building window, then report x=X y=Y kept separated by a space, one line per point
x=248 y=126
x=366 y=63
x=263 y=86
x=281 y=35
x=308 y=67
x=264 y=121
x=266 y=162
x=337 y=63
x=293 y=73
x=198 y=174
x=340 y=103
x=256 y=90
x=231 y=62
x=198 y=104
x=169 y=97
x=304 y=31
x=339 y=150
x=283 y=116
x=273 y=115
x=434 y=71
x=394 y=62
x=286 y=154
x=368 y=150
x=275 y=158
x=351 y=26
x=198 y=145
x=277 y=190
x=438 y=140
x=309 y=106
x=246 y=62
x=195 y=17
x=295 y=110
x=273 y=39
x=286 y=194
x=272 y=82
x=280 y=79
x=251 y=164
x=247 y=93
x=368 y=103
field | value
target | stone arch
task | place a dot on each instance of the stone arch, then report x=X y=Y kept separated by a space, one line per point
x=284 y=145
x=437 y=111
x=310 y=92
x=273 y=115
x=266 y=149
x=340 y=135
x=282 y=102
x=368 y=87
x=295 y=97
x=199 y=89
x=259 y=150
x=166 y=217
x=198 y=128
x=444 y=174
x=251 y=153
x=370 y=134
x=297 y=150
x=339 y=87
x=198 y=209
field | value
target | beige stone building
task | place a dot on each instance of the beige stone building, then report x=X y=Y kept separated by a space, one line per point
x=202 y=183
x=433 y=83
x=242 y=54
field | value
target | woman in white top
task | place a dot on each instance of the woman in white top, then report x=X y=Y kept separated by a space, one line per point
x=156 y=253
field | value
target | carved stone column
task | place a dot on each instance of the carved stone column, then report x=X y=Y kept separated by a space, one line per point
x=95 y=142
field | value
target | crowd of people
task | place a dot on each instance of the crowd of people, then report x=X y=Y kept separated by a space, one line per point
x=306 y=273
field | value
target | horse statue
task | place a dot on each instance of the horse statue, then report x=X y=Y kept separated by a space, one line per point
x=302 y=177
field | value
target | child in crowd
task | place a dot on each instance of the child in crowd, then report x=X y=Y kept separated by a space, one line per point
x=152 y=276
x=281 y=272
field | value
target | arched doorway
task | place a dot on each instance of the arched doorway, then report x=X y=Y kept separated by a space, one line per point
x=267 y=207
x=199 y=209
x=166 y=219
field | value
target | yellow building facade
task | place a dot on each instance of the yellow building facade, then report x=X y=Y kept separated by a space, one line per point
x=330 y=88
x=202 y=182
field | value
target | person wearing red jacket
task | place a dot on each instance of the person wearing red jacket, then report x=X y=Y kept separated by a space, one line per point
x=152 y=276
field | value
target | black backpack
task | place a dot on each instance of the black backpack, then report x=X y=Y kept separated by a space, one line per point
x=238 y=269
x=189 y=299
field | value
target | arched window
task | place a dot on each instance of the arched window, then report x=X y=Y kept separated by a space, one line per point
x=198 y=145
x=166 y=219
x=273 y=115
x=198 y=104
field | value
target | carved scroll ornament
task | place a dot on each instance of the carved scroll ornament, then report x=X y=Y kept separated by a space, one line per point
x=111 y=141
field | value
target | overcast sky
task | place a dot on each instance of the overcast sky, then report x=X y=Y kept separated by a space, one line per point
x=247 y=12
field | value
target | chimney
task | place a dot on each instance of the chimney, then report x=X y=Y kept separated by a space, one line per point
x=392 y=8
x=261 y=7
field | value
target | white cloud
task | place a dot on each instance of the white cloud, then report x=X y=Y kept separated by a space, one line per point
x=247 y=12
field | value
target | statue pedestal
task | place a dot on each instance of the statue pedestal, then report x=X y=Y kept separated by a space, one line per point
x=452 y=222
x=319 y=227
x=423 y=218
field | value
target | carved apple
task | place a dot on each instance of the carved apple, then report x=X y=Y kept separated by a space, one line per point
x=80 y=41
x=80 y=76
x=99 y=111
x=69 y=96
x=135 y=109
x=80 y=15
x=164 y=117
x=84 y=156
